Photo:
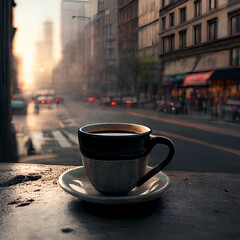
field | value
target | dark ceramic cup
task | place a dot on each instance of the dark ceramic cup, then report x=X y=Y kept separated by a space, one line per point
x=115 y=155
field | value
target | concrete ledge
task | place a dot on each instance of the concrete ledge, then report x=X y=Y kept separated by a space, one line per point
x=196 y=206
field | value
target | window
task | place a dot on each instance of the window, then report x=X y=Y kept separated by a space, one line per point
x=197 y=8
x=183 y=39
x=100 y=4
x=234 y=22
x=171 y=19
x=234 y=56
x=109 y=31
x=163 y=3
x=212 y=4
x=197 y=34
x=163 y=23
x=212 y=29
x=182 y=15
x=168 y=43
x=110 y=51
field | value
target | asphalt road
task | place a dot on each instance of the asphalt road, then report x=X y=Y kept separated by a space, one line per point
x=201 y=145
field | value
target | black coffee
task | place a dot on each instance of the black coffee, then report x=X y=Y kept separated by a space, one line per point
x=113 y=133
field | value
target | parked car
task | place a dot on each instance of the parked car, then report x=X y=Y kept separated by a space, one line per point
x=232 y=110
x=18 y=105
x=129 y=101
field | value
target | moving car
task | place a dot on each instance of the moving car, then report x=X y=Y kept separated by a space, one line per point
x=18 y=105
x=45 y=99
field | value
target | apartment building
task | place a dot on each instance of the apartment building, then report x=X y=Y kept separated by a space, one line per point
x=106 y=46
x=148 y=28
x=200 y=48
x=127 y=27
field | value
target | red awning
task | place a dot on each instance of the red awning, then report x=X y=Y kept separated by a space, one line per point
x=197 y=79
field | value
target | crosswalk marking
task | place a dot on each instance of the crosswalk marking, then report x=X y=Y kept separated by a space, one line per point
x=72 y=137
x=63 y=142
x=61 y=137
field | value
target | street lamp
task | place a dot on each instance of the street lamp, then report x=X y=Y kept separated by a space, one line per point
x=82 y=17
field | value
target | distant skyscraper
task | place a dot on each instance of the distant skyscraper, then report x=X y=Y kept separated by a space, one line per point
x=44 y=58
x=72 y=26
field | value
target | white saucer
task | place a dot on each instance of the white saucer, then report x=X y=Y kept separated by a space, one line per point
x=76 y=183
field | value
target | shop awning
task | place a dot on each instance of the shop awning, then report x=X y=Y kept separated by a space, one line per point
x=200 y=79
x=197 y=79
x=226 y=74
x=170 y=80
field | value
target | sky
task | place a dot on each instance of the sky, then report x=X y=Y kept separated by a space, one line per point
x=29 y=16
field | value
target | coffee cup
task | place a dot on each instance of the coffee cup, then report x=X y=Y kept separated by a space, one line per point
x=115 y=155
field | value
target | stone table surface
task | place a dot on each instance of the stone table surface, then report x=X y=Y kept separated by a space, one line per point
x=195 y=206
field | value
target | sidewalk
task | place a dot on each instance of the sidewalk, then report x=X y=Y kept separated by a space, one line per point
x=192 y=120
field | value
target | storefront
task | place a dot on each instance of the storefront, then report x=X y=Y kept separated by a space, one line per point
x=209 y=91
x=173 y=85
x=206 y=92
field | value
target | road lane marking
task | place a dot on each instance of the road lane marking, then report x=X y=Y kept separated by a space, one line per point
x=192 y=125
x=73 y=138
x=73 y=123
x=59 y=137
x=193 y=140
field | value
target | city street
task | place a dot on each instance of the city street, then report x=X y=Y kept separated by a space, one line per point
x=201 y=145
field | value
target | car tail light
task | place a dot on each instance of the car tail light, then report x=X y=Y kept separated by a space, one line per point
x=14 y=95
x=114 y=103
x=48 y=101
x=232 y=107
x=91 y=99
x=103 y=101
x=57 y=99
x=128 y=101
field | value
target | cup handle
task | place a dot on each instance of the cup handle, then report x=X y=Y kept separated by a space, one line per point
x=171 y=150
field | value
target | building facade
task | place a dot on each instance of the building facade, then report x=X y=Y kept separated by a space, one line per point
x=200 y=44
x=127 y=46
x=128 y=26
x=148 y=28
x=72 y=26
x=106 y=47
x=148 y=49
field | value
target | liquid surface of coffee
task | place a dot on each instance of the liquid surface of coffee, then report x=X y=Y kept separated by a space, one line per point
x=114 y=133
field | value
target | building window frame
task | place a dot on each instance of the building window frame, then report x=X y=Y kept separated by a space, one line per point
x=234 y=22
x=171 y=19
x=235 y=56
x=163 y=3
x=197 y=34
x=197 y=8
x=164 y=21
x=212 y=4
x=183 y=15
x=212 y=24
x=168 y=43
x=183 y=38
